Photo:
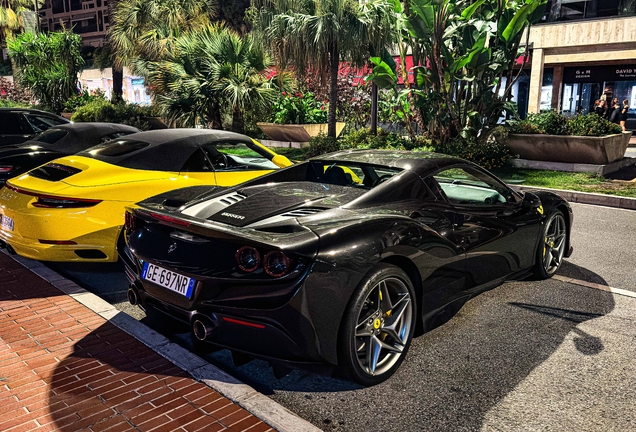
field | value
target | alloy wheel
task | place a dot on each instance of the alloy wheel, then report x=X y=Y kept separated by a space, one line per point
x=383 y=326
x=554 y=244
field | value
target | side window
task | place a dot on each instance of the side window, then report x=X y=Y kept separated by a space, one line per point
x=13 y=124
x=236 y=156
x=467 y=185
x=42 y=123
x=198 y=162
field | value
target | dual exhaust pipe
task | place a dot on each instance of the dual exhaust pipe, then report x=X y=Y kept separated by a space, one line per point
x=202 y=326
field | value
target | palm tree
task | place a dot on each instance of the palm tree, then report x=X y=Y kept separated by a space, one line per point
x=210 y=69
x=320 y=33
x=142 y=31
x=12 y=14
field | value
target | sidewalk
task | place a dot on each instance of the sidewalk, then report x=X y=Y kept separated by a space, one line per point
x=64 y=367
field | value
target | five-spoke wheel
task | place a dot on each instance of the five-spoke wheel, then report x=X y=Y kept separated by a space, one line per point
x=552 y=247
x=379 y=325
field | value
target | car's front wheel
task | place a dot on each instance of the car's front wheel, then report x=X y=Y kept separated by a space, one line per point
x=378 y=326
x=552 y=246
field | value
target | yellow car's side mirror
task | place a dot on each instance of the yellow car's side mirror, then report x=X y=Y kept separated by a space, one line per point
x=281 y=161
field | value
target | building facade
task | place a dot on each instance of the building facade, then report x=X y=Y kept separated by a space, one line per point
x=88 y=18
x=584 y=50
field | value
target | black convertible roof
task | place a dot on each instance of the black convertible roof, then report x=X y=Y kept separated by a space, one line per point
x=91 y=130
x=408 y=160
x=160 y=150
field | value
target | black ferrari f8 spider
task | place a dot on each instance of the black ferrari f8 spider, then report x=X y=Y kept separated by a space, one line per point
x=339 y=260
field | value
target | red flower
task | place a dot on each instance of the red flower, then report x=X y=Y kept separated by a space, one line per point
x=284 y=93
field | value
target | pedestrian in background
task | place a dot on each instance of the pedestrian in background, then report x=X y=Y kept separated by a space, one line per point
x=615 y=117
x=600 y=107
x=606 y=108
x=624 y=111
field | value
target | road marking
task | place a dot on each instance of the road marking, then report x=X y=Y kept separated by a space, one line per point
x=596 y=286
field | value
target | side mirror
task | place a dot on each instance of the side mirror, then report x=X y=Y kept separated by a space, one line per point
x=281 y=161
x=531 y=201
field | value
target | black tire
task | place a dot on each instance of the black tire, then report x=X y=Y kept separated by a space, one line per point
x=373 y=341
x=552 y=244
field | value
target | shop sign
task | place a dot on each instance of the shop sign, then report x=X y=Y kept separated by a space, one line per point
x=599 y=73
x=137 y=81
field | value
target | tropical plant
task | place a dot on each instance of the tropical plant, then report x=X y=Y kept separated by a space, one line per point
x=465 y=52
x=210 y=70
x=318 y=34
x=48 y=64
x=12 y=17
x=142 y=31
x=299 y=108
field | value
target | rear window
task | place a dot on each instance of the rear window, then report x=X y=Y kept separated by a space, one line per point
x=117 y=148
x=51 y=136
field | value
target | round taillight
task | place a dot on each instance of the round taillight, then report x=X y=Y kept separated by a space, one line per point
x=248 y=259
x=276 y=264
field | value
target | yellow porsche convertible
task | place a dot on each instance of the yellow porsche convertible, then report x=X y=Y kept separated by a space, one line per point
x=72 y=209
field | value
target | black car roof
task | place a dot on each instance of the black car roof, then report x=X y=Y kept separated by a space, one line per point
x=33 y=111
x=165 y=149
x=409 y=160
x=86 y=132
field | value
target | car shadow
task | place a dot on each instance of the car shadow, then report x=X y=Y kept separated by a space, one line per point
x=454 y=374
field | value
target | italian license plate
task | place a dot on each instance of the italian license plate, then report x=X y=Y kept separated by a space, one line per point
x=168 y=279
x=6 y=222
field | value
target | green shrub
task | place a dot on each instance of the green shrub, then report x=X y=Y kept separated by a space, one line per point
x=550 y=122
x=104 y=111
x=592 y=125
x=364 y=139
x=300 y=108
x=7 y=103
x=322 y=144
x=83 y=98
x=489 y=152
x=523 y=127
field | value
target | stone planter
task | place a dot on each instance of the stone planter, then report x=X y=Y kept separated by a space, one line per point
x=67 y=115
x=570 y=149
x=296 y=132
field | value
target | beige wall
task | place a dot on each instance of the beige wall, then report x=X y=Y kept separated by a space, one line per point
x=596 y=32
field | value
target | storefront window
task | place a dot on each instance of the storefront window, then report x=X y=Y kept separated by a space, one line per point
x=546 y=90
x=584 y=85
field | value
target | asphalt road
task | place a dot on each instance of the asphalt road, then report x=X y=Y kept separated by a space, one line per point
x=525 y=356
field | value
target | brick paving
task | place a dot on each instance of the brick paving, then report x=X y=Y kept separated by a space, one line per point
x=63 y=367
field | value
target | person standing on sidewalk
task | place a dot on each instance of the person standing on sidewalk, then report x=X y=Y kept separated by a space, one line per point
x=624 y=111
x=615 y=117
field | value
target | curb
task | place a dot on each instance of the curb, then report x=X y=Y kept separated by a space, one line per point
x=586 y=197
x=272 y=413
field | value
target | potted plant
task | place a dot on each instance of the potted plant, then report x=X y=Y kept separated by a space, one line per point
x=297 y=118
x=583 y=139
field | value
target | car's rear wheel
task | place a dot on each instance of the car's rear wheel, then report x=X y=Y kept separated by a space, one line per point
x=378 y=326
x=552 y=246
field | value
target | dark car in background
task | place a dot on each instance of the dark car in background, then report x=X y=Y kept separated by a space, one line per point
x=18 y=125
x=338 y=260
x=61 y=140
